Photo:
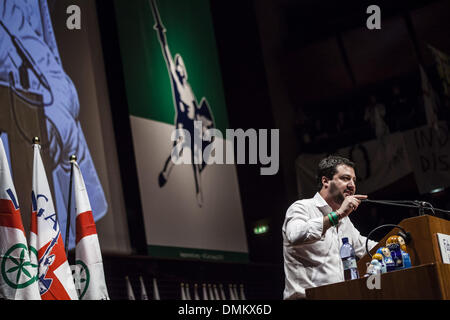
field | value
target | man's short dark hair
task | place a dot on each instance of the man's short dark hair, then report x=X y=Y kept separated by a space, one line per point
x=328 y=168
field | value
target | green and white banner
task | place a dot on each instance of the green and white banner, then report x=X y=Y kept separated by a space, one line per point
x=191 y=209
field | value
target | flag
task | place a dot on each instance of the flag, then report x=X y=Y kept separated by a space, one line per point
x=18 y=279
x=211 y=294
x=183 y=295
x=216 y=293
x=144 y=295
x=429 y=100
x=222 y=293
x=230 y=288
x=242 y=293
x=55 y=278
x=88 y=257
x=205 y=294
x=155 y=290
x=236 y=296
x=130 y=292
x=186 y=291
x=443 y=67
x=196 y=296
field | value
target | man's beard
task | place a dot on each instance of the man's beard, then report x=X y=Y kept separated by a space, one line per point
x=336 y=195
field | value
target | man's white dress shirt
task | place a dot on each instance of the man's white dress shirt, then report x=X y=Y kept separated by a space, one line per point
x=310 y=259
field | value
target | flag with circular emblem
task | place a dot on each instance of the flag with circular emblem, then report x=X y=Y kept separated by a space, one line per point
x=18 y=275
x=55 y=278
x=88 y=256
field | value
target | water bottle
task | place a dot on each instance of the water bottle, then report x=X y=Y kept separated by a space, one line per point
x=349 y=260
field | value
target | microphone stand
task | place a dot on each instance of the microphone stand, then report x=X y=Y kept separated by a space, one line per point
x=421 y=205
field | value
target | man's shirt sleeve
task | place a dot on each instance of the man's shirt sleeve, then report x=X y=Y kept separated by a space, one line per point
x=299 y=227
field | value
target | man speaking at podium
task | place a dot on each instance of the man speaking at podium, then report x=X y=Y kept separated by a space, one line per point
x=311 y=241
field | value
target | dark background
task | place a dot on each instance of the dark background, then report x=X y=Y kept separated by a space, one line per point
x=288 y=64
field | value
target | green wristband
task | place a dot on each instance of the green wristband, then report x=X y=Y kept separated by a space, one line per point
x=331 y=220
x=335 y=217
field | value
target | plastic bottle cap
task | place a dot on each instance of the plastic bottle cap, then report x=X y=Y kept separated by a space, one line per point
x=345 y=240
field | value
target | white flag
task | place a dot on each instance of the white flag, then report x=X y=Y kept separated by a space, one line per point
x=242 y=293
x=144 y=295
x=130 y=292
x=230 y=288
x=205 y=294
x=196 y=296
x=155 y=290
x=235 y=292
x=187 y=293
x=183 y=295
x=88 y=257
x=54 y=274
x=222 y=293
x=18 y=279
x=211 y=293
x=216 y=293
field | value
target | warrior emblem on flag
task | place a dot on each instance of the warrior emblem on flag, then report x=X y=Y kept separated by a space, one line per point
x=88 y=274
x=187 y=111
x=13 y=269
x=82 y=278
x=44 y=264
x=18 y=269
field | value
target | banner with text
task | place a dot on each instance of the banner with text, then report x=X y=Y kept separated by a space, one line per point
x=378 y=164
x=424 y=151
x=429 y=154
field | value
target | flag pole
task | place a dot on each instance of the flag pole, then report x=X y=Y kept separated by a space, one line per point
x=66 y=243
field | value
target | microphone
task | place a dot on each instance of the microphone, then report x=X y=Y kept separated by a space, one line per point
x=402 y=233
x=416 y=204
x=421 y=205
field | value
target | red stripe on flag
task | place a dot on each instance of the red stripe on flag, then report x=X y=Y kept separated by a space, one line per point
x=7 y=206
x=85 y=225
x=9 y=216
x=33 y=227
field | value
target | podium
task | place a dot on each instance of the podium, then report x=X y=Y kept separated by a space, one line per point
x=428 y=278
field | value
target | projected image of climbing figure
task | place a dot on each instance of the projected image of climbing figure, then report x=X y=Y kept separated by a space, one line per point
x=187 y=112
